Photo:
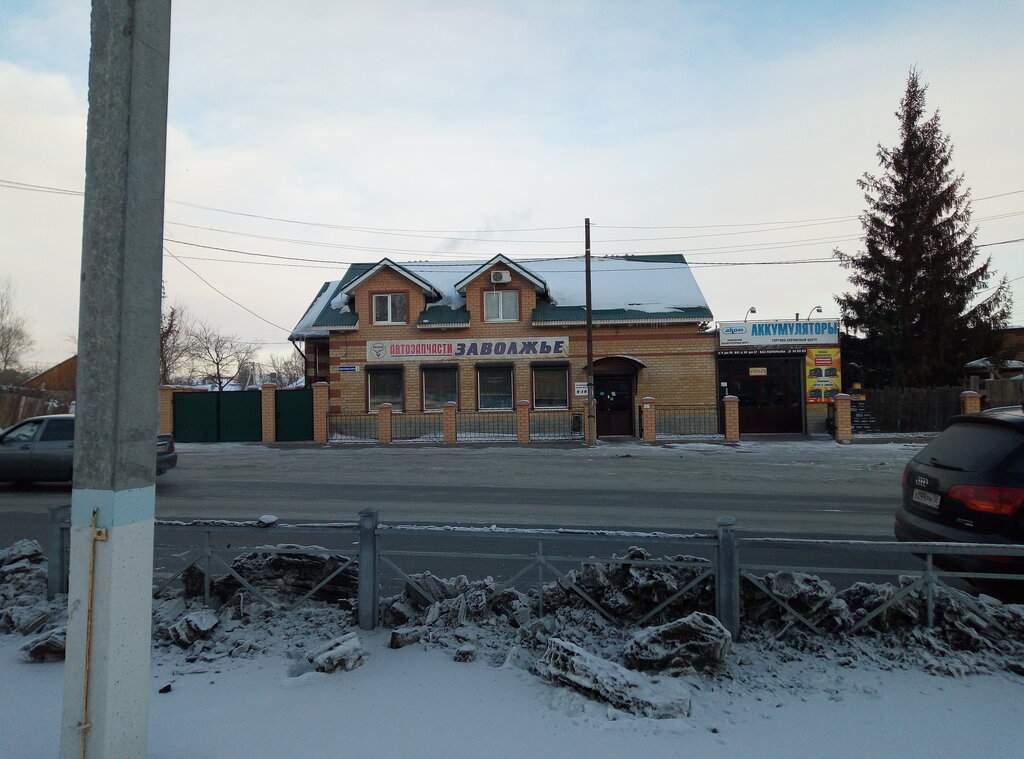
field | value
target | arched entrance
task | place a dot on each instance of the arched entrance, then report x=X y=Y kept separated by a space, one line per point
x=615 y=393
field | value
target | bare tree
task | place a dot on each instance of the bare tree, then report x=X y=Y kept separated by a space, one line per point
x=177 y=343
x=220 y=357
x=14 y=337
x=287 y=368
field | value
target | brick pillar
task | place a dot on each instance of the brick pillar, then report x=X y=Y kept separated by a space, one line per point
x=320 y=403
x=448 y=423
x=648 y=419
x=731 y=406
x=970 y=402
x=522 y=421
x=269 y=403
x=166 y=410
x=844 y=425
x=384 y=423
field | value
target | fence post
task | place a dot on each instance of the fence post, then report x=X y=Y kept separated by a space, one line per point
x=57 y=551
x=368 y=585
x=647 y=421
x=166 y=410
x=449 y=423
x=320 y=409
x=731 y=404
x=844 y=423
x=522 y=421
x=727 y=577
x=268 y=402
x=384 y=423
x=970 y=402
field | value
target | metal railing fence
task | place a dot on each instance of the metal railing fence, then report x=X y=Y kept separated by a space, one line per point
x=556 y=425
x=485 y=425
x=391 y=557
x=352 y=428
x=695 y=420
x=420 y=428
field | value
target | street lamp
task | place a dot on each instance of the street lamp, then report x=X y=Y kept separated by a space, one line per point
x=753 y=310
x=815 y=310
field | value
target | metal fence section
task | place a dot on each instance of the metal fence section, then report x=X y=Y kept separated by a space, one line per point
x=913 y=409
x=352 y=428
x=556 y=425
x=697 y=420
x=472 y=426
x=393 y=557
x=418 y=428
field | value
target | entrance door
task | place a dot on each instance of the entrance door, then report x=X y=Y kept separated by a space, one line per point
x=770 y=392
x=614 y=404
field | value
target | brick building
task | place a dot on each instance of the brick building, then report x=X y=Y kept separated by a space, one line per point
x=487 y=335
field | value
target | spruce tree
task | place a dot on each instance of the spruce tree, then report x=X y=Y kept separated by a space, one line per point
x=922 y=305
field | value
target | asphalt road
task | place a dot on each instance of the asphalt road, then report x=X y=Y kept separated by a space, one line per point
x=791 y=488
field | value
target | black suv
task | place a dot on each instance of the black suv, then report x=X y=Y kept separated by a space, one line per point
x=967 y=486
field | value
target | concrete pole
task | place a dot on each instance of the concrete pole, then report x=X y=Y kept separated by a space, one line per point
x=107 y=675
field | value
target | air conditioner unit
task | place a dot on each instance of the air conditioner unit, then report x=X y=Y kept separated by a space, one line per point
x=501 y=277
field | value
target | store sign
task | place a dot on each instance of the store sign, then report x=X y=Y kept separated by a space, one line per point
x=401 y=350
x=759 y=371
x=783 y=332
x=823 y=373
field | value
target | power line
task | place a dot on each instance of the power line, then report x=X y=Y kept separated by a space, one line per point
x=223 y=294
x=11 y=184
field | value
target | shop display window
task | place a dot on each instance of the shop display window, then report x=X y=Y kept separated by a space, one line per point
x=495 y=387
x=385 y=387
x=551 y=387
x=440 y=385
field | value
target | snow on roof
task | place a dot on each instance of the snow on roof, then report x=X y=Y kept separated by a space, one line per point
x=651 y=284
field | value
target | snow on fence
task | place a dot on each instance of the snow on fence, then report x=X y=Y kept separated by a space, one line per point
x=660 y=575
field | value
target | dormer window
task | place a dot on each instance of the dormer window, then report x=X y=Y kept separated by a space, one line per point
x=501 y=305
x=390 y=308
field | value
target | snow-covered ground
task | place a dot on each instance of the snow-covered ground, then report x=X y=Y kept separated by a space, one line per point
x=418 y=703
x=248 y=689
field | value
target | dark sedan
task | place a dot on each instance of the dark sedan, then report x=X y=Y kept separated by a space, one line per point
x=41 y=449
x=967 y=486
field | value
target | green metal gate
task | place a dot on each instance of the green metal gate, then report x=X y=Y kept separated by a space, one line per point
x=218 y=417
x=294 y=414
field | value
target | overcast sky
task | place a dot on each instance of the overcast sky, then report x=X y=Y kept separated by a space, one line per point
x=452 y=130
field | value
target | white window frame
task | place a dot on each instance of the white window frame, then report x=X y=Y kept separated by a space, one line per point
x=501 y=309
x=391 y=309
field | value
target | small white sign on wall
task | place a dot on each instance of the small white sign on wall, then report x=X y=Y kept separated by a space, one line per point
x=581 y=389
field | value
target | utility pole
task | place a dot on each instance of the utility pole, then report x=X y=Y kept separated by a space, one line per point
x=591 y=400
x=113 y=500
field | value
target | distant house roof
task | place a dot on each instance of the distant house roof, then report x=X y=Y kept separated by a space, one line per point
x=62 y=376
x=642 y=289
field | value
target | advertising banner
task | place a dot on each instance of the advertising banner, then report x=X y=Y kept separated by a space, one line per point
x=416 y=350
x=824 y=378
x=783 y=332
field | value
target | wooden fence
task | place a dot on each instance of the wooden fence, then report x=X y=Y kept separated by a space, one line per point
x=18 y=403
x=1005 y=392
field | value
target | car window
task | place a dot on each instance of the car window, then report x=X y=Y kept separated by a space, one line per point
x=971 y=447
x=23 y=433
x=59 y=429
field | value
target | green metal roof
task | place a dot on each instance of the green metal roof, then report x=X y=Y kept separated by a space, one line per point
x=442 y=316
x=545 y=312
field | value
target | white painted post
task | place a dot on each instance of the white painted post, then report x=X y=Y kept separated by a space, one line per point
x=107 y=675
